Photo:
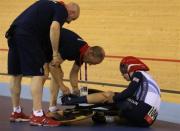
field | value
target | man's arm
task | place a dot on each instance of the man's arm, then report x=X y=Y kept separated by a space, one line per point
x=74 y=77
x=54 y=37
x=57 y=75
x=131 y=89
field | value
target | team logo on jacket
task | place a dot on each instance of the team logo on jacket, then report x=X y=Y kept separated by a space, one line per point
x=136 y=79
x=79 y=39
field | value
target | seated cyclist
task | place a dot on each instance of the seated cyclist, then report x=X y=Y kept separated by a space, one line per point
x=139 y=103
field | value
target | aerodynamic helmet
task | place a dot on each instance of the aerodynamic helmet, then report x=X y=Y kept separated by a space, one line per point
x=131 y=64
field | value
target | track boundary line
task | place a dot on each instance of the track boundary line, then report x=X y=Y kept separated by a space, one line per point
x=108 y=84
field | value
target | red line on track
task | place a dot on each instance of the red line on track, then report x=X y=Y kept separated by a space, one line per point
x=150 y=59
x=3 y=49
x=142 y=58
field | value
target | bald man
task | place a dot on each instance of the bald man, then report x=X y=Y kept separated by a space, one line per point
x=26 y=56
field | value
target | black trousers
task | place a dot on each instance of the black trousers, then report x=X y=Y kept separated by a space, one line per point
x=137 y=113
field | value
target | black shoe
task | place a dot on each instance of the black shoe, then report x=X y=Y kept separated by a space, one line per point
x=69 y=99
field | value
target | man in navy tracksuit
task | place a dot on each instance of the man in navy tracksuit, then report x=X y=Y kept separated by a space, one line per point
x=27 y=37
x=72 y=48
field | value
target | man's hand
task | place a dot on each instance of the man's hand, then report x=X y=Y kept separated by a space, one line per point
x=76 y=91
x=56 y=71
x=65 y=90
x=57 y=60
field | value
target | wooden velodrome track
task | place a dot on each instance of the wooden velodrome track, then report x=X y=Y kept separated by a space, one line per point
x=149 y=29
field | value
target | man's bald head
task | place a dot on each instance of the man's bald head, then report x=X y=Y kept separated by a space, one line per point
x=73 y=11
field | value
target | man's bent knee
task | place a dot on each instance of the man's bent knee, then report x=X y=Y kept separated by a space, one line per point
x=108 y=96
